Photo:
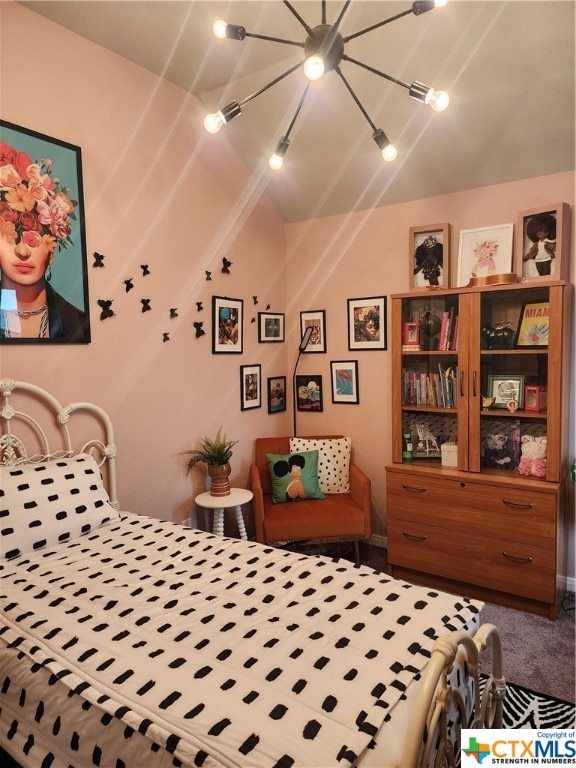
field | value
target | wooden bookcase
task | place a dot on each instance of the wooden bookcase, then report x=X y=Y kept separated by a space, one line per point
x=476 y=524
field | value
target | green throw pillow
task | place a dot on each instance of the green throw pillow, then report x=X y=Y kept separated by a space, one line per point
x=294 y=476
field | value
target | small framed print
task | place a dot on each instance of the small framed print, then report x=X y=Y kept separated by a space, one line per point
x=535 y=397
x=410 y=336
x=270 y=326
x=276 y=394
x=430 y=256
x=227 y=319
x=345 y=381
x=367 y=323
x=533 y=326
x=543 y=243
x=309 y=395
x=250 y=387
x=506 y=391
x=316 y=320
x=485 y=253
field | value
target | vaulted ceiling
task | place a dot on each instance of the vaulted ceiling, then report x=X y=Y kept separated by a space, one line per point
x=509 y=68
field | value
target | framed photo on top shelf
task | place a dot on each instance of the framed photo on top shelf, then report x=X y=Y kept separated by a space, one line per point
x=429 y=250
x=315 y=319
x=543 y=243
x=533 y=326
x=485 y=252
x=250 y=387
x=270 y=327
x=345 y=381
x=506 y=389
x=367 y=323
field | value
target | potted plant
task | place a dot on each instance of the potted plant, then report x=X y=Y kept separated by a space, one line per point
x=215 y=452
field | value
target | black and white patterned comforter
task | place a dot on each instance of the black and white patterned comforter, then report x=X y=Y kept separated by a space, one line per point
x=221 y=651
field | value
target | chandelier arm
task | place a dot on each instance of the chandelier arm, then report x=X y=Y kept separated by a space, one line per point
x=323 y=11
x=341 y=15
x=270 y=84
x=274 y=39
x=300 y=19
x=376 y=71
x=298 y=108
x=376 y=26
x=356 y=99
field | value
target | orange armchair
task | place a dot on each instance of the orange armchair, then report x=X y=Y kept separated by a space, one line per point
x=338 y=517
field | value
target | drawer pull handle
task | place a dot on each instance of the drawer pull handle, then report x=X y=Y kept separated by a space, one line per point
x=414 y=488
x=518 y=559
x=517 y=504
x=413 y=536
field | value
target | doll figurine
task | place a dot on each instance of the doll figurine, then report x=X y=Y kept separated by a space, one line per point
x=539 y=261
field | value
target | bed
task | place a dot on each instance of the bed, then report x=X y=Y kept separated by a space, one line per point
x=132 y=642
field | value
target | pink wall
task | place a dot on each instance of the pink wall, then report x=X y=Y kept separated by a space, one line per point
x=159 y=191
x=366 y=254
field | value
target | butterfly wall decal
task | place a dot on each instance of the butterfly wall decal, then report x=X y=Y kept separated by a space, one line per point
x=98 y=260
x=105 y=305
x=208 y=275
x=145 y=270
x=199 y=306
x=173 y=312
x=129 y=285
x=226 y=265
x=199 y=329
x=145 y=305
x=255 y=299
x=166 y=336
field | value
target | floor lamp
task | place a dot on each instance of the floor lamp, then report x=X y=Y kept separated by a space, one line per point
x=303 y=344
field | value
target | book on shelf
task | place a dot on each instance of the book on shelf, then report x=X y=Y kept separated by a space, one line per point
x=431 y=389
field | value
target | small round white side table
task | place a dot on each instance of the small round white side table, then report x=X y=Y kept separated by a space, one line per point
x=234 y=500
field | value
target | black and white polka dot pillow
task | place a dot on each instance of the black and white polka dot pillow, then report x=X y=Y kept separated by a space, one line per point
x=333 y=461
x=51 y=502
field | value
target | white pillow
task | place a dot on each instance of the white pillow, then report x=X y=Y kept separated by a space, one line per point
x=333 y=461
x=44 y=504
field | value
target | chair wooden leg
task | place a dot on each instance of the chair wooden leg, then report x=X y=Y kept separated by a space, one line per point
x=357 y=553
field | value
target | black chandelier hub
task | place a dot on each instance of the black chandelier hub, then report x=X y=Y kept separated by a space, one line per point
x=325 y=41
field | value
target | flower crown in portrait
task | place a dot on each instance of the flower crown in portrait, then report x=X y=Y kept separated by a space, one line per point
x=34 y=206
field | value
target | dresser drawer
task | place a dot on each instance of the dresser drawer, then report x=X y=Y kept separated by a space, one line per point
x=489 y=510
x=516 y=568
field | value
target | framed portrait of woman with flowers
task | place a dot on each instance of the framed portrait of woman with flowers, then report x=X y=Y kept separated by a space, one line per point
x=367 y=323
x=43 y=271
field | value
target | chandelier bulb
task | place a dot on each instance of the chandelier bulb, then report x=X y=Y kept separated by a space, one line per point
x=213 y=122
x=440 y=3
x=219 y=29
x=390 y=153
x=439 y=101
x=276 y=162
x=314 y=67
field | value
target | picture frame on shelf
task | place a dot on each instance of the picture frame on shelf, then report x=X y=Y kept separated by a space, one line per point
x=429 y=263
x=485 y=256
x=51 y=219
x=276 y=390
x=309 y=393
x=227 y=325
x=506 y=390
x=410 y=336
x=533 y=327
x=543 y=243
x=535 y=397
x=271 y=327
x=250 y=387
x=367 y=323
x=315 y=319
x=344 y=377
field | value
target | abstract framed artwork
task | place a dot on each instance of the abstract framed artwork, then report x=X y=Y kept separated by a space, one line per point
x=367 y=323
x=316 y=320
x=44 y=290
x=227 y=325
x=485 y=254
x=276 y=394
x=271 y=326
x=543 y=243
x=344 y=375
x=430 y=256
x=250 y=387
x=309 y=394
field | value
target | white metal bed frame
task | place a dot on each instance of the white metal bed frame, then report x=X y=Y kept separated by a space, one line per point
x=437 y=697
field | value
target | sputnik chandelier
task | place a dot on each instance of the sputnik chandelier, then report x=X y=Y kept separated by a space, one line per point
x=323 y=53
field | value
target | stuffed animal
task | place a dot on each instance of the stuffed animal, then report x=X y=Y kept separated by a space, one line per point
x=533 y=456
x=496 y=452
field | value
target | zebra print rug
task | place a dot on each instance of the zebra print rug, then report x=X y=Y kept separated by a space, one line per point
x=524 y=708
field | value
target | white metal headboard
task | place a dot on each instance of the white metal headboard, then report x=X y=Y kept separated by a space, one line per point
x=14 y=437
